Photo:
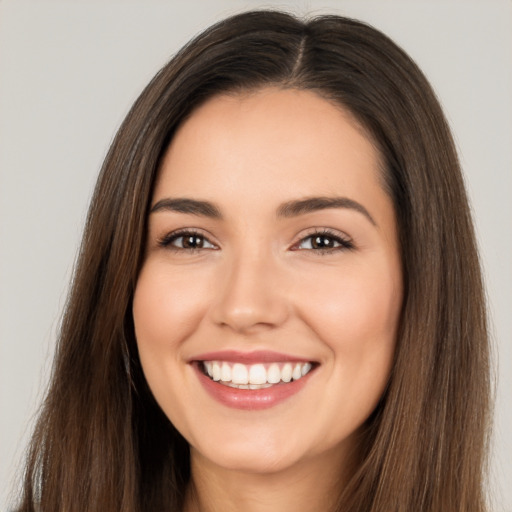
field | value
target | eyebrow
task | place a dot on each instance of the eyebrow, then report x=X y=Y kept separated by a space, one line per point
x=289 y=209
x=185 y=205
x=313 y=204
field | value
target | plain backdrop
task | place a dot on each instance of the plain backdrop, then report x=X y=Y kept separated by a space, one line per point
x=70 y=70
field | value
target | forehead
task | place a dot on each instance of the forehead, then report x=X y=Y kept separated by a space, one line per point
x=269 y=143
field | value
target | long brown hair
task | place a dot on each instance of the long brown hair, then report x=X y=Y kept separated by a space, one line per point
x=102 y=442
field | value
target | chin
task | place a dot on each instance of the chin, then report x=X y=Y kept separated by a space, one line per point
x=261 y=455
x=254 y=462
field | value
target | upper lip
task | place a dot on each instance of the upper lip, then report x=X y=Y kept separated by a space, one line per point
x=256 y=356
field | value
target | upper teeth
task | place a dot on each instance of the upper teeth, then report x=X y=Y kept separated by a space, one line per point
x=260 y=375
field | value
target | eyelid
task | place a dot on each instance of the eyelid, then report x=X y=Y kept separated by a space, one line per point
x=345 y=241
x=166 y=240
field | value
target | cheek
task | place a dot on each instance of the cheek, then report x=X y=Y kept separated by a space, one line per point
x=361 y=302
x=355 y=314
x=357 y=320
x=166 y=307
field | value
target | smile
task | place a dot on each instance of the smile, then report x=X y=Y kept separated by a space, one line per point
x=252 y=380
x=254 y=376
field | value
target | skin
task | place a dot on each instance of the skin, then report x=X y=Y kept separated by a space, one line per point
x=257 y=284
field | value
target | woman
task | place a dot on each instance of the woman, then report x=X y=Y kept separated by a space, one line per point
x=278 y=299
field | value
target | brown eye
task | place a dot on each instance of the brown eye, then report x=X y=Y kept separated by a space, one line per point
x=192 y=241
x=186 y=241
x=324 y=242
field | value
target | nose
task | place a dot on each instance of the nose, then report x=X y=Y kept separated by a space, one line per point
x=252 y=296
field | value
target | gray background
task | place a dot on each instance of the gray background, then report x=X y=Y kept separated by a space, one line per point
x=70 y=70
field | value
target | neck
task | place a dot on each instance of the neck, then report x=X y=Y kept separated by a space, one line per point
x=309 y=487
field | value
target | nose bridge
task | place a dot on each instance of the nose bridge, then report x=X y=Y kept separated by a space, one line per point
x=250 y=296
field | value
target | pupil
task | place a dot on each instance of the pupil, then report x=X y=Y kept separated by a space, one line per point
x=322 y=242
x=192 y=242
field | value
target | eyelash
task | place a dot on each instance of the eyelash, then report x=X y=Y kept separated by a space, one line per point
x=167 y=240
x=344 y=242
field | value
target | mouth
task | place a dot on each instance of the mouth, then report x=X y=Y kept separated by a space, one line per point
x=254 y=380
x=254 y=376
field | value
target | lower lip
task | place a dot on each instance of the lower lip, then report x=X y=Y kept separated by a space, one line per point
x=250 y=399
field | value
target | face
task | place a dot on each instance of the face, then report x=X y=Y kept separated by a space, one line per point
x=266 y=309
